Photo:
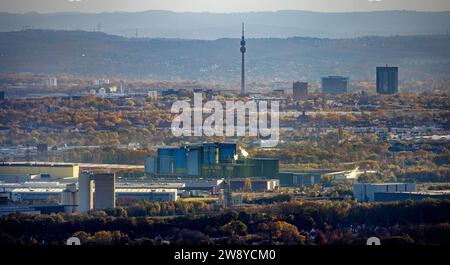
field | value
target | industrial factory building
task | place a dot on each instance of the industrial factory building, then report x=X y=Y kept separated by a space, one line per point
x=196 y=169
x=94 y=191
x=413 y=196
x=186 y=184
x=36 y=194
x=209 y=160
x=147 y=194
x=296 y=177
x=18 y=178
x=300 y=178
x=367 y=192
x=56 y=170
x=60 y=187
x=43 y=197
x=104 y=196
x=4 y=186
x=256 y=185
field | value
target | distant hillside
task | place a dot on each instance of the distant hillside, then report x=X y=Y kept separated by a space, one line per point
x=281 y=24
x=98 y=54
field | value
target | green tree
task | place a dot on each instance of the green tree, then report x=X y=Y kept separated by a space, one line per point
x=234 y=228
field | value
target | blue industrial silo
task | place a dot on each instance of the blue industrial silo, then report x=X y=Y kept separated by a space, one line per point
x=210 y=154
x=180 y=162
x=166 y=159
x=227 y=151
x=194 y=160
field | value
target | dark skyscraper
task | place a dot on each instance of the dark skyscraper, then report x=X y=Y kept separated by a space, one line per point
x=300 y=90
x=387 y=80
x=243 y=50
x=334 y=85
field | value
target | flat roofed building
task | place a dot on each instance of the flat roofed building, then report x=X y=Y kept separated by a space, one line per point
x=255 y=185
x=18 y=178
x=413 y=196
x=295 y=179
x=365 y=192
x=300 y=90
x=4 y=197
x=56 y=170
x=41 y=194
x=147 y=194
x=335 y=85
x=151 y=185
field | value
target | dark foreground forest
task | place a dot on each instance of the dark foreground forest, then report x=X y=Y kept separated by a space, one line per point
x=191 y=223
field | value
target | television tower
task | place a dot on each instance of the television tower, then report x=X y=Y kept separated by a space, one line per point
x=243 y=50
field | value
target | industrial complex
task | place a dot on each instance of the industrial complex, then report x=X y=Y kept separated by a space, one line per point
x=209 y=160
x=223 y=171
x=207 y=169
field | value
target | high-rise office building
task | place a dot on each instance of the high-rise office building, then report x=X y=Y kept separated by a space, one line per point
x=387 y=80
x=335 y=85
x=300 y=90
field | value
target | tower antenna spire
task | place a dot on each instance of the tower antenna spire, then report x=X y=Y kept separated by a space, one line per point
x=243 y=50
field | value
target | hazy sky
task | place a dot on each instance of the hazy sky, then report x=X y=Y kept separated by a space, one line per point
x=220 y=5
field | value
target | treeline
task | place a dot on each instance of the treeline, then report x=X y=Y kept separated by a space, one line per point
x=108 y=155
x=135 y=208
x=352 y=213
x=424 y=175
x=328 y=151
x=294 y=222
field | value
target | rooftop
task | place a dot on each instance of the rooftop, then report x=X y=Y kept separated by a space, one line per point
x=383 y=184
x=121 y=190
x=37 y=164
x=36 y=190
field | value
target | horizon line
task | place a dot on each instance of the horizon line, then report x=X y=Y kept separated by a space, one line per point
x=221 y=13
x=225 y=38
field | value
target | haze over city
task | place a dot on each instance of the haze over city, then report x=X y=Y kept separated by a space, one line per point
x=218 y=6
